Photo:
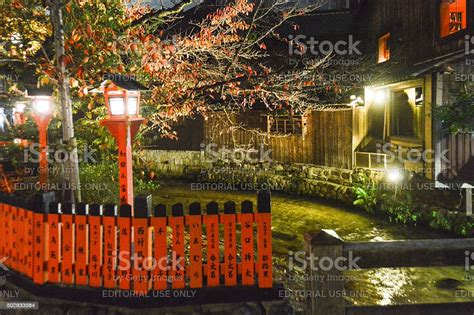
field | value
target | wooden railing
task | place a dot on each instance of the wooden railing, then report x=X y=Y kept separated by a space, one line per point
x=137 y=248
x=329 y=295
x=366 y=160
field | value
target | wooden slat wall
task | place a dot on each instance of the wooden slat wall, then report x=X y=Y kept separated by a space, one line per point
x=328 y=140
x=414 y=28
x=460 y=152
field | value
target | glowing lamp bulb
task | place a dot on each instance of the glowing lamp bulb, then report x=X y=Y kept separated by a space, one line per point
x=42 y=105
x=394 y=176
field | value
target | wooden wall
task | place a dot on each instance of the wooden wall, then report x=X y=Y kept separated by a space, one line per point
x=328 y=141
x=460 y=157
x=414 y=28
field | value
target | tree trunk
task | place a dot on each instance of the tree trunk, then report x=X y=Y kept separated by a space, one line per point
x=72 y=164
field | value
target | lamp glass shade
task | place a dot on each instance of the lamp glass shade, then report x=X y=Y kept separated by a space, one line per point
x=117 y=106
x=133 y=105
x=42 y=105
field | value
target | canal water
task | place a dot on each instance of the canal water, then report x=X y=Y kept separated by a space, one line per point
x=294 y=216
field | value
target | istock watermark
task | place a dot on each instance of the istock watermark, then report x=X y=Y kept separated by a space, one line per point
x=32 y=154
x=301 y=45
x=412 y=155
x=213 y=153
x=325 y=263
x=126 y=261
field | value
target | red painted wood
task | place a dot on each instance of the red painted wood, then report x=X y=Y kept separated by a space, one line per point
x=125 y=241
x=54 y=253
x=213 y=261
x=160 y=273
x=195 y=259
x=81 y=249
x=67 y=248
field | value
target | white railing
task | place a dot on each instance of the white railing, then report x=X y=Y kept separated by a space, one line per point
x=382 y=159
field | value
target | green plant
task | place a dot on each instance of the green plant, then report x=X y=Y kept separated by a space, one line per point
x=366 y=192
x=458 y=115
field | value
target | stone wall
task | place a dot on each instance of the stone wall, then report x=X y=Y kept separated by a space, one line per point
x=300 y=179
x=176 y=164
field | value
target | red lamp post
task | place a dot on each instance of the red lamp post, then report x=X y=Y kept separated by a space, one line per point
x=122 y=98
x=42 y=114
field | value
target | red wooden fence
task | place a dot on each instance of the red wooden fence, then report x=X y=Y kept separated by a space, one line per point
x=105 y=247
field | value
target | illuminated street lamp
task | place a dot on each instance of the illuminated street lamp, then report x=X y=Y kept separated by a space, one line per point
x=42 y=113
x=122 y=99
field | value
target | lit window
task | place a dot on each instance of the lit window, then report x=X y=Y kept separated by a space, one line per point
x=452 y=16
x=384 y=48
x=285 y=124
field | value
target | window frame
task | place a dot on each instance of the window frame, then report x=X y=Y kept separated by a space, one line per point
x=458 y=34
x=388 y=47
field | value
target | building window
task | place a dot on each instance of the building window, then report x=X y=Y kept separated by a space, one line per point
x=384 y=48
x=287 y=125
x=453 y=16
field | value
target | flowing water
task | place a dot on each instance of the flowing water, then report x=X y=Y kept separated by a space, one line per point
x=294 y=216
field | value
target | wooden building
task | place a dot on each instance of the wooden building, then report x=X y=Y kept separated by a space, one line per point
x=419 y=49
x=423 y=46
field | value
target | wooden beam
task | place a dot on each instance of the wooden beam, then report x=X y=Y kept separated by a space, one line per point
x=410 y=253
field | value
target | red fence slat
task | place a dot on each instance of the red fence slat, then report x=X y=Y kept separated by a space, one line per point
x=264 y=241
x=13 y=258
x=7 y=235
x=211 y=220
x=82 y=244
x=229 y=220
x=21 y=239
x=124 y=225
x=67 y=244
x=159 y=223
x=110 y=246
x=194 y=222
x=177 y=257
x=54 y=254
x=29 y=243
x=248 y=261
x=95 y=245
x=142 y=243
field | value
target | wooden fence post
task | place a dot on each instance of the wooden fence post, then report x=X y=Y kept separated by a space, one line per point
x=159 y=223
x=142 y=244
x=14 y=234
x=247 y=220
x=264 y=241
x=54 y=241
x=194 y=221
x=29 y=241
x=124 y=223
x=40 y=235
x=22 y=230
x=8 y=232
x=109 y=267
x=325 y=285
x=95 y=245
x=178 y=259
x=67 y=243
x=82 y=243
x=211 y=220
x=229 y=219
